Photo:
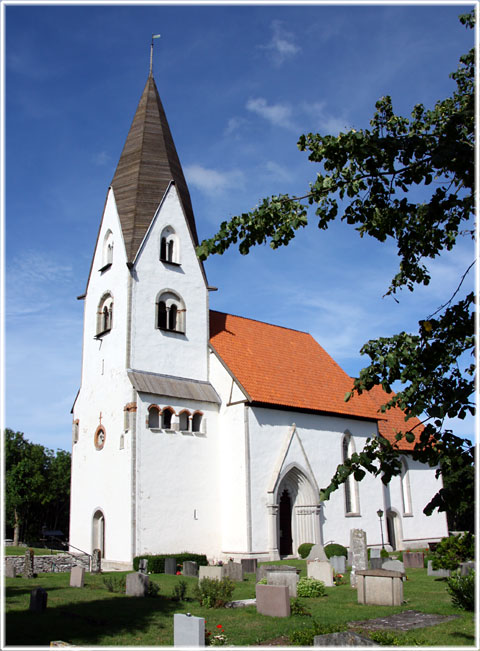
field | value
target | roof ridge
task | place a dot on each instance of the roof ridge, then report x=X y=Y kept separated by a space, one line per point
x=274 y=325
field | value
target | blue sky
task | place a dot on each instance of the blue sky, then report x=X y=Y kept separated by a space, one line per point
x=239 y=85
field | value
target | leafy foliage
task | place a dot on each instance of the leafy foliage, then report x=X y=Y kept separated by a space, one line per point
x=365 y=177
x=452 y=551
x=305 y=636
x=334 y=549
x=212 y=593
x=180 y=591
x=309 y=587
x=297 y=608
x=304 y=549
x=462 y=590
x=115 y=583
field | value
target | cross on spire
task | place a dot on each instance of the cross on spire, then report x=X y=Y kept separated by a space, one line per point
x=151 y=52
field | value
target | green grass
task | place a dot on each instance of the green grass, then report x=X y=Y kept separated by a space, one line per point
x=20 y=551
x=94 y=616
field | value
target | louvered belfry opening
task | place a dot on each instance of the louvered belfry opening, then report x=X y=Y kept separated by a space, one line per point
x=147 y=165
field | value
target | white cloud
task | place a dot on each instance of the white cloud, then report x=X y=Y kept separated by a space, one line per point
x=279 y=115
x=234 y=125
x=324 y=122
x=281 y=46
x=213 y=182
x=277 y=171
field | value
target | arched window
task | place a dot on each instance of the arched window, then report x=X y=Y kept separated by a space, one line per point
x=169 y=246
x=352 y=505
x=184 y=421
x=167 y=414
x=197 y=421
x=170 y=312
x=153 y=417
x=405 y=486
x=107 y=251
x=105 y=314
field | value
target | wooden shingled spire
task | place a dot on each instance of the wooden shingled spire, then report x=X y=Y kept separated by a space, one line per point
x=147 y=165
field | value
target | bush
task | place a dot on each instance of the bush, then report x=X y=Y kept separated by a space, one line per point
x=335 y=550
x=115 y=583
x=180 y=591
x=153 y=589
x=308 y=587
x=384 y=553
x=453 y=550
x=462 y=590
x=212 y=593
x=156 y=562
x=297 y=608
x=304 y=636
x=304 y=549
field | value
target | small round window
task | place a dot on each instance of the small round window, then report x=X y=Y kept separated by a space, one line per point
x=99 y=438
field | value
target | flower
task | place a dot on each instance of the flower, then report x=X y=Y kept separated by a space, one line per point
x=178 y=573
x=219 y=626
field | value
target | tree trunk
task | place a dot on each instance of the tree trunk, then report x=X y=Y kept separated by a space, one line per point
x=16 y=529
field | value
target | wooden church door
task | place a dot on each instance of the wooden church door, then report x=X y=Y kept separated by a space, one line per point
x=285 y=524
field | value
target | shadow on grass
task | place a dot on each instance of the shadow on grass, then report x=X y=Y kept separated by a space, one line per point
x=86 y=623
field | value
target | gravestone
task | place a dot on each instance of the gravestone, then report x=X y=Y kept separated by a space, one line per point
x=272 y=600
x=143 y=565
x=394 y=565
x=10 y=569
x=38 y=600
x=216 y=572
x=96 y=561
x=413 y=559
x=263 y=569
x=466 y=568
x=375 y=553
x=376 y=563
x=234 y=571
x=343 y=638
x=288 y=579
x=190 y=568
x=188 y=631
x=358 y=547
x=317 y=553
x=170 y=566
x=249 y=564
x=338 y=564
x=320 y=570
x=380 y=587
x=137 y=584
x=440 y=572
x=77 y=577
x=28 y=564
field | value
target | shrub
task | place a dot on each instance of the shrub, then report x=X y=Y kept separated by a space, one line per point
x=212 y=593
x=263 y=581
x=115 y=583
x=308 y=587
x=180 y=591
x=462 y=590
x=297 y=608
x=304 y=636
x=156 y=562
x=333 y=549
x=384 y=553
x=153 y=589
x=453 y=550
x=304 y=549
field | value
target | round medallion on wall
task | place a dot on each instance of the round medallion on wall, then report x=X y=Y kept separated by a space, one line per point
x=99 y=438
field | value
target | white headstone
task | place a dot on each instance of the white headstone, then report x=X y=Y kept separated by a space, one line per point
x=321 y=570
x=77 y=577
x=188 y=630
x=317 y=553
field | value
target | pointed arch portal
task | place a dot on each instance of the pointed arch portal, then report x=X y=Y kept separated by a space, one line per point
x=98 y=532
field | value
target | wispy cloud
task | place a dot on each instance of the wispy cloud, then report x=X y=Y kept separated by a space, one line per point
x=323 y=121
x=101 y=158
x=234 y=125
x=279 y=115
x=211 y=181
x=281 y=46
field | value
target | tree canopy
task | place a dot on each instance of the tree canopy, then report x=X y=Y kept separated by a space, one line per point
x=365 y=177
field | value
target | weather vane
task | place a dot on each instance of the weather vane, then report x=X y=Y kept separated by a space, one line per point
x=151 y=51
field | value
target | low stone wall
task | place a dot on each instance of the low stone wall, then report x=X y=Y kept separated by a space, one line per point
x=51 y=563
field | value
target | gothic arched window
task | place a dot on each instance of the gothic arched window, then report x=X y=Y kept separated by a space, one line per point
x=104 y=314
x=405 y=486
x=197 y=421
x=170 y=312
x=107 y=251
x=153 y=417
x=352 y=505
x=169 y=246
x=167 y=414
x=184 y=421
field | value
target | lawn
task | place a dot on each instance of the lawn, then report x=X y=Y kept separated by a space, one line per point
x=94 y=616
x=39 y=551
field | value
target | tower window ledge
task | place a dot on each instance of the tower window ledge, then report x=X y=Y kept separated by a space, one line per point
x=174 y=264
x=353 y=515
x=186 y=432
x=175 y=332
x=170 y=431
x=155 y=430
x=105 y=267
x=99 y=335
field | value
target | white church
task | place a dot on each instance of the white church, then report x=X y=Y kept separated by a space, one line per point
x=199 y=431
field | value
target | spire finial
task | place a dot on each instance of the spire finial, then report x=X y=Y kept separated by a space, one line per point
x=151 y=52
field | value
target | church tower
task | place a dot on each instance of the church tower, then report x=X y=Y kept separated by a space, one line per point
x=144 y=405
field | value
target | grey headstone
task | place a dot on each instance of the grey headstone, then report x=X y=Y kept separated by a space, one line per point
x=289 y=579
x=375 y=553
x=137 y=584
x=249 y=564
x=190 y=568
x=343 y=638
x=413 y=559
x=234 y=571
x=466 y=568
x=272 y=600
x=358 y=547
x=28 y=565
x=10 y=569
x=263 y=569
x=143 y=565
x=188 y=631
x=317 y=553
x=170 y=566
x=338 y=564
x=440 y=572
x=396 y=566
x=77 y=577
x=38 y=600
x=96 y=561
x=376 y=563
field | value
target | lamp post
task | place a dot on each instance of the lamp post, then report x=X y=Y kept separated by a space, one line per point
x=380 y=514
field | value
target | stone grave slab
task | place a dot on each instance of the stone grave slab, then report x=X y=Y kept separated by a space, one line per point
x=338 y=563
x=96 y=561
x=188 y=631
x=376 y=563
x=263 y=569
x=405 y=621
x=170 y=566
x=216 y=572
x=234 y=571
x=413 y=559
x=358 y=547
x=394 y=565
x=10 y=569
x=249 y=564
x=137 y=584
x=190 y=568
x=77 y=577
x=38 y=600
x=273 y=600
x=317 y=553
x=322 y=571
x=440 y=572
x=289 y=579
x=380 y=587
x=343 y=638
x=466 y=568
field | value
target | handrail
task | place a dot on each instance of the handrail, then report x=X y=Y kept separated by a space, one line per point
x=68 y=544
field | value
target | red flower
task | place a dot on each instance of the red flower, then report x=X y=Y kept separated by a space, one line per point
x=178 y=572
x=219 y=626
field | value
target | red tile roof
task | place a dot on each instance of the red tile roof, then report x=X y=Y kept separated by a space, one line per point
x=395 y=419
x=282 y=367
